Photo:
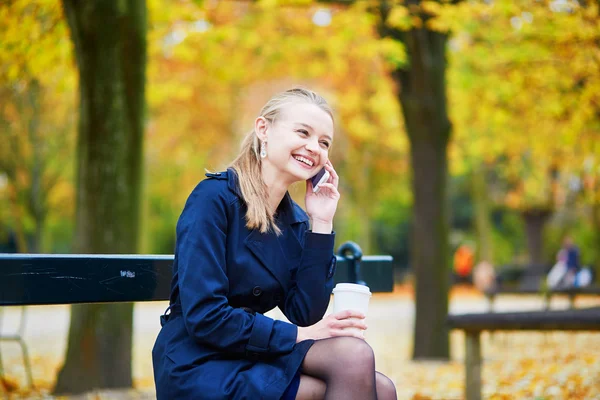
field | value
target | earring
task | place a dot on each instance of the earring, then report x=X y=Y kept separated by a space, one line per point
x=263 y=149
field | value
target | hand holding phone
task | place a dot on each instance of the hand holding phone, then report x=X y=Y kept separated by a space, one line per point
x=321 y=206
x=321 y=177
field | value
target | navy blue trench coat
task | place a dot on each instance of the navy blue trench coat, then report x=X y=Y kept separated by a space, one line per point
x=216 y=343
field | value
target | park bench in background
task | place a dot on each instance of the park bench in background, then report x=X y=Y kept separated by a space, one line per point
x=532 y=281
x=42 y=279
x=586 y=319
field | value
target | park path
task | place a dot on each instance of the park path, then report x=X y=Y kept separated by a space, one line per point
x=390 y=321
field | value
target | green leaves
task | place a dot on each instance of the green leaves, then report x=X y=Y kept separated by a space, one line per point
x=521 y=79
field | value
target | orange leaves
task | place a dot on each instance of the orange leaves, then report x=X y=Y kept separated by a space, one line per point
x=8 y=384
x=515 y=366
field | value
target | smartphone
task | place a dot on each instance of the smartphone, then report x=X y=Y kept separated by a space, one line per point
x=321 y=177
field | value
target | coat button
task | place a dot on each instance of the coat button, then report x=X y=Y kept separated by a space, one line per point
x=257 y=291
x=332 y=267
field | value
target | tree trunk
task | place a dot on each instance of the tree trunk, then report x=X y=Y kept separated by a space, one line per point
x=430 y=251
x=535 y=219
x=422 y=86
x=109 y=38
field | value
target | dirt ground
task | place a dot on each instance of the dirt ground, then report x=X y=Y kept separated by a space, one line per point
x=516 y=365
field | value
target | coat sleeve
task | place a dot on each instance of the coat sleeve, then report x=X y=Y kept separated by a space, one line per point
x=203 y=283
x=307 y=300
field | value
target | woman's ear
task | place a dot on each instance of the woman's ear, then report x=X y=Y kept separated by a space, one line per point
x=260 y=127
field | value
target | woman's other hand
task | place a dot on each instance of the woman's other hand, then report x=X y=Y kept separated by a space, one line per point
x=321 y=206
x=335 y=325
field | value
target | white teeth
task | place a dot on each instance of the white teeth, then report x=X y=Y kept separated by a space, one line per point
x=304 y=160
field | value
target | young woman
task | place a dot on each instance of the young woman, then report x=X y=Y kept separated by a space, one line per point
x=245 y=247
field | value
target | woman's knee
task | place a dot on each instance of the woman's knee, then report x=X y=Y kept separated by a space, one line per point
x=355 y=353
x=345 y=359
x=386 y=390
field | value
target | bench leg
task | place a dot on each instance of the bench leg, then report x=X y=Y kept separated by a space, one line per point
x=3 y=391
x=1 y=365
x=490 y=298
x=26 y=362
x=571 y=301
x=473 y=366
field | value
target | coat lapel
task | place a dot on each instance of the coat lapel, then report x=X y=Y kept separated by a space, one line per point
x=266 y=247
x=280 y=254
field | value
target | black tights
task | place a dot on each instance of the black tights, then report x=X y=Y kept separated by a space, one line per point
x=343 y=368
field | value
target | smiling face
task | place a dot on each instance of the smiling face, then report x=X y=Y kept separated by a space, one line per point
x=298 y=141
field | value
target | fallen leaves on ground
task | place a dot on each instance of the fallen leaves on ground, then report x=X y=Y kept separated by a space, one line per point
x=517 y=365
x=9 y=384
x=540 y=366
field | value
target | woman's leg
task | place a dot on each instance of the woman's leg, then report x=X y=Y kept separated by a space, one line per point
x=346 y=365
x=311 y=388
x=386 y=390
x=314 y=389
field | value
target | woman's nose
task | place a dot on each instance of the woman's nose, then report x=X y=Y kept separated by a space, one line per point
x=312 y=146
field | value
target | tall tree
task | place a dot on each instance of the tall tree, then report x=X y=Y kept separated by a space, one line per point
x=422 y=96
x=109 y=38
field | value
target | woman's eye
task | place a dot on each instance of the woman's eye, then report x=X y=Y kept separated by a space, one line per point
x=304 y=132
x=325 y=144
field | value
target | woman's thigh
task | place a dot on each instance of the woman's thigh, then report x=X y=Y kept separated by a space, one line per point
x=312 y=388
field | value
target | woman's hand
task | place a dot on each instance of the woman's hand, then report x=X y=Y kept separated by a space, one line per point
x=321 y=206
x=335 y=325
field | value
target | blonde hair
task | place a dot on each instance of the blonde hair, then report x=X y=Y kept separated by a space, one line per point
x=248 y=163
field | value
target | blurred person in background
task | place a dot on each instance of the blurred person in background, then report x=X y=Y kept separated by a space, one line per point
x=484 y=276
x=571 y=257
x=564 y=272
x=464 y=259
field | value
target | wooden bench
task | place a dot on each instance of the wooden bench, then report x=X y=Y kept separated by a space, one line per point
x=524 y=282
x=44 y=279
x=546 y=294
x=587 y=319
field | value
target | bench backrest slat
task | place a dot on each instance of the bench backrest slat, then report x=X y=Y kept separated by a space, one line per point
x=36 y=279
x=32 y=279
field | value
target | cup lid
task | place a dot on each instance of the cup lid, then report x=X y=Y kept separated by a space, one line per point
x=352 y=287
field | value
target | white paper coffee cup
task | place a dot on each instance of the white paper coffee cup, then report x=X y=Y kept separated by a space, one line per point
x=350 y=296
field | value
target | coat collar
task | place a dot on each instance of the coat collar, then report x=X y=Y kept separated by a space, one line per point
x=289 y=212
x=278 y=254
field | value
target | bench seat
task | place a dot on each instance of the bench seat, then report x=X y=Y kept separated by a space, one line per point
x=564 y=320
x=586 y=319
